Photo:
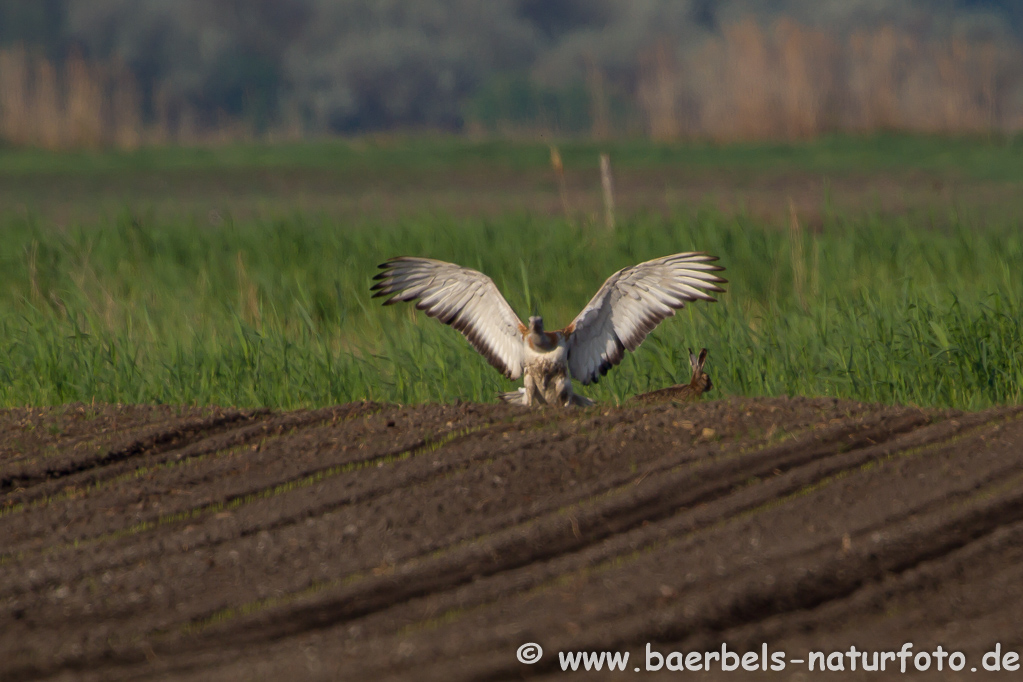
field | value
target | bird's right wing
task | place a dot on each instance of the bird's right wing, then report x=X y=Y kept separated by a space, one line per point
x=631 y=303
x=464 y=298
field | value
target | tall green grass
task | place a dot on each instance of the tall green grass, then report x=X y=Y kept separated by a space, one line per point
x=279 y=313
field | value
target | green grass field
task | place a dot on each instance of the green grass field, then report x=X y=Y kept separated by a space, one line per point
x=989 y=158
x=147 y=307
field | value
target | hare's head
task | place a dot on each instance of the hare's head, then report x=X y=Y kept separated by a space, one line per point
x=700 y=381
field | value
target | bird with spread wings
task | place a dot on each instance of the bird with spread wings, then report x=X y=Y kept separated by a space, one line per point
x=632 y=302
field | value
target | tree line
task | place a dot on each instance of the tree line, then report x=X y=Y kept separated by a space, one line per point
x=124 y=72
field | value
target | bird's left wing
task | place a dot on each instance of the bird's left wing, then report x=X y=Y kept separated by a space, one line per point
x=630 y=304
x=464 y=298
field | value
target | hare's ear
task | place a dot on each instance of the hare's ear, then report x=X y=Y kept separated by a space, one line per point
x=693 y=362
x=702 y=359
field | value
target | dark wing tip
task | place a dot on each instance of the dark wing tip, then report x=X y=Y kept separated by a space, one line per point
x=706 y=256
x=390 y=262
x=714 y=287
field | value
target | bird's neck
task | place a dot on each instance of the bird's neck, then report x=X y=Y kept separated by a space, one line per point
x=542 y=341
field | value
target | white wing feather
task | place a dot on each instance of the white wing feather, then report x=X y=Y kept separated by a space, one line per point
x=464 y=298
x=632 y=302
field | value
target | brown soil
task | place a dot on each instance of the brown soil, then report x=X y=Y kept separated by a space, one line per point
x=372 y=542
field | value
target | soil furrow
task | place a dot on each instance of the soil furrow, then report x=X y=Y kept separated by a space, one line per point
x=160 y=439
x=130 y=488
x=789 y=584
x=431 y=541
x=555 y=534
x=28 y=432
x=215 y=441
x=46 y=571
x=688 y=523
x=521 y=586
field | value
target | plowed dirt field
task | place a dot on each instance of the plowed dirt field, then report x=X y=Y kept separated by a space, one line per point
x=375 y=542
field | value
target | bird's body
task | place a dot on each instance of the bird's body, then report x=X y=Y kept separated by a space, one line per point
x=625 y=309
x=545 y=375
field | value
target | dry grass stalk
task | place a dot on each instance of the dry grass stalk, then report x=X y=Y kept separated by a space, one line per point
x=607 y=187
x=248 y=296
x=559 y=172
x=796 y=256
x=33 y=273
x=815 y=273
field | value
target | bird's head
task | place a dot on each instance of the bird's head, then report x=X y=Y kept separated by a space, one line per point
x=536 y=324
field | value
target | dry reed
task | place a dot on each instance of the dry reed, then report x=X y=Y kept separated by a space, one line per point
x=79 y=104
x=796 y=256
x=15 y=123
x=791 y=82
x=248 y=295
x=658 y=92
x=785 y=81
x=607 y=189
x=559 y=172
x=83 y=114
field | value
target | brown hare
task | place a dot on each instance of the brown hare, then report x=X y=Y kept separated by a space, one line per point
x=697 y=386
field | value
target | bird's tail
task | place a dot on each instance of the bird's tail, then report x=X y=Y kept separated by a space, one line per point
x=581 y=400
x=519 y=398
x=514 y=397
